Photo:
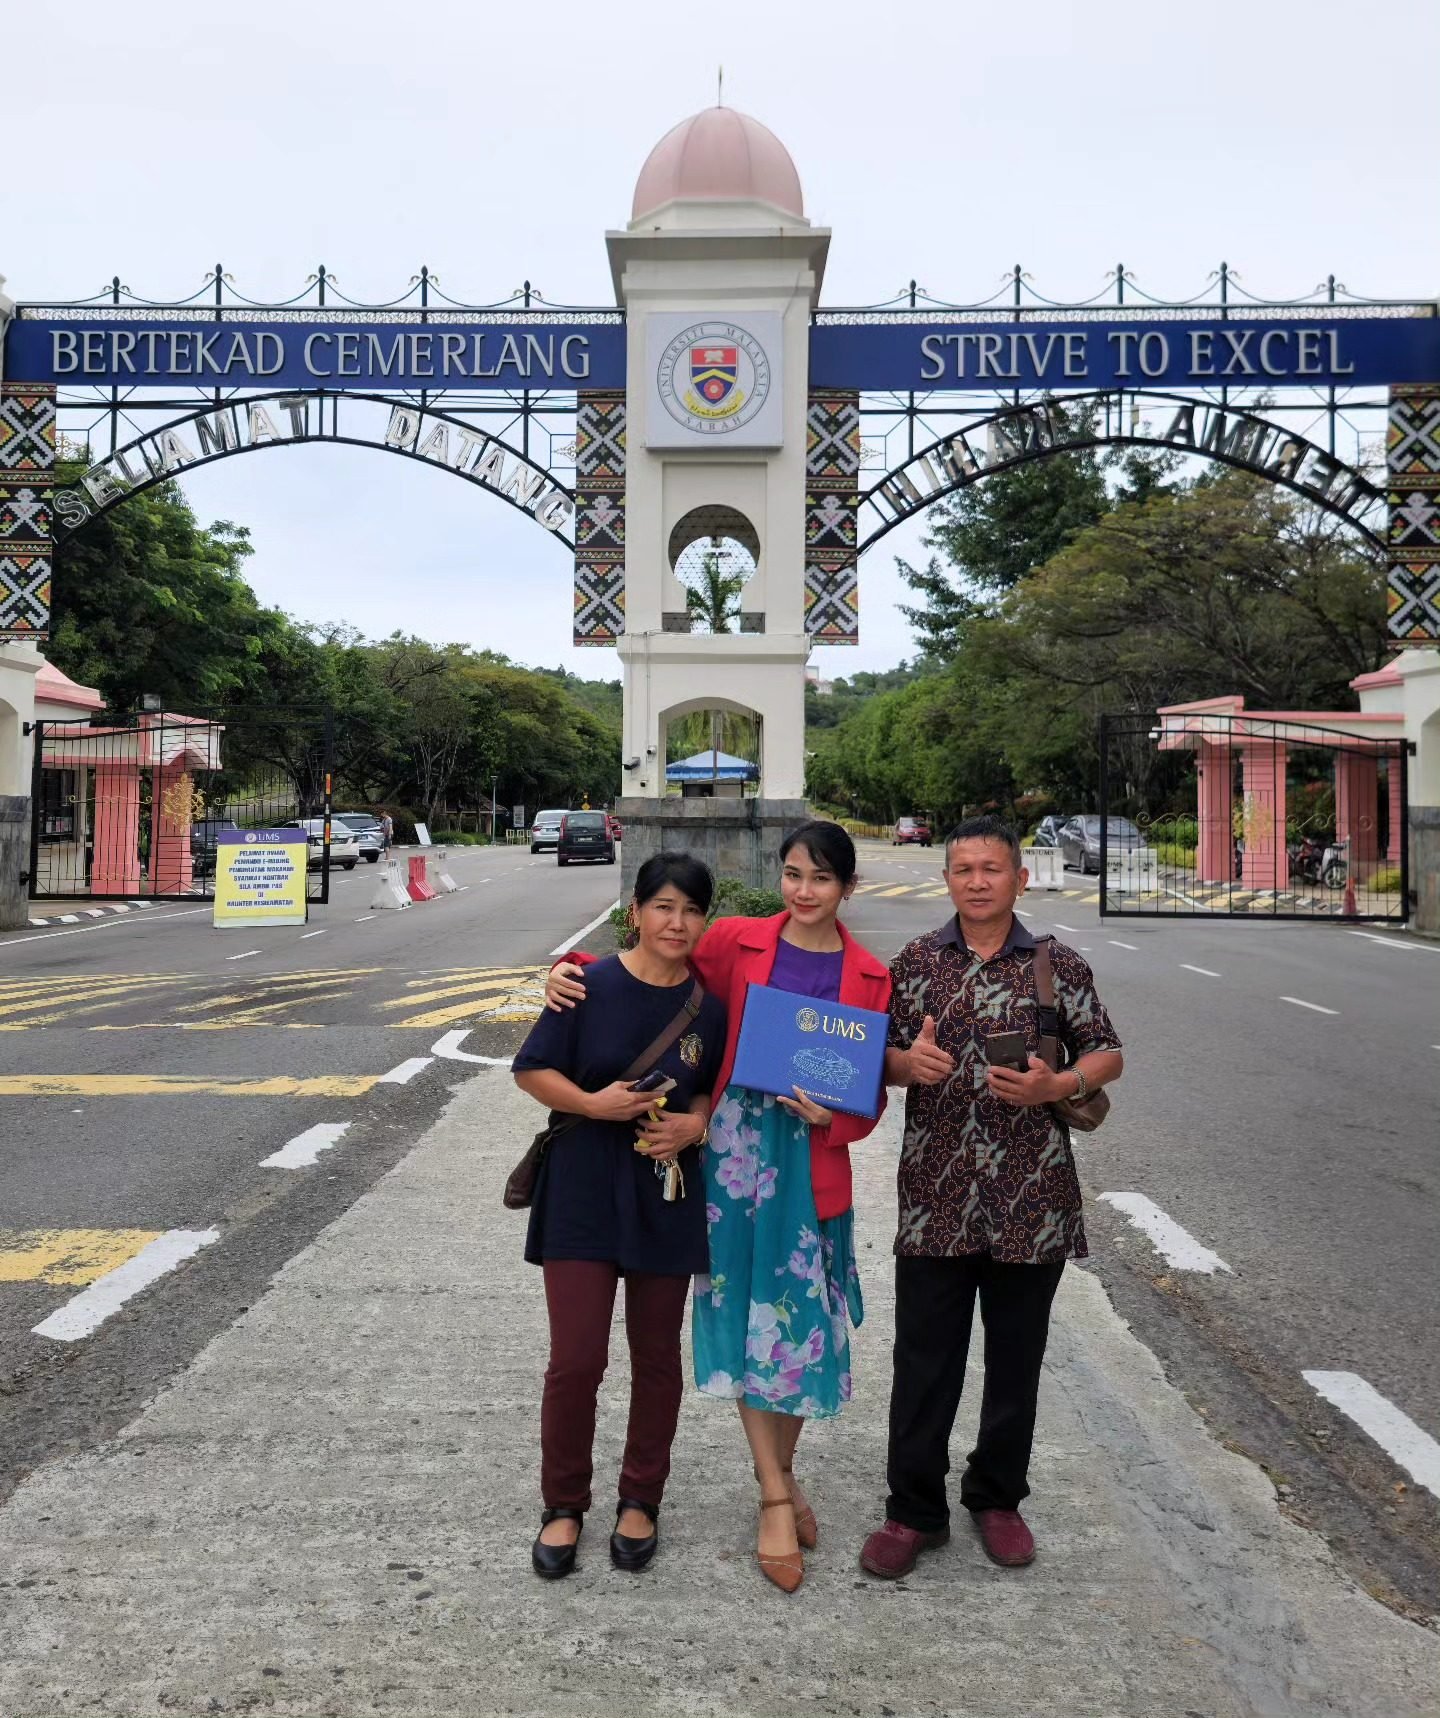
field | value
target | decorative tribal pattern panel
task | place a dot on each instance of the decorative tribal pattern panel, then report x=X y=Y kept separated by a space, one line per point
x=1412 y=460
x=600 y=516
x=27 y=476
x=832 y=502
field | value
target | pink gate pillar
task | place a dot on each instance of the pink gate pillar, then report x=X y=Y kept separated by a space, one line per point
x=1357 y=809
x=1215 y=854
x=1396 y=831
x=1266 y=864
x=172 y=866
x=115 y=869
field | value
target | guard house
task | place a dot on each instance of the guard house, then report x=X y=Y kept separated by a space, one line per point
x=712 y=775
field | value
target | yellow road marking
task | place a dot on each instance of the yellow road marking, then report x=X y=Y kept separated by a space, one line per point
x=199 y=1026
x=471 y=987
x=897 y=889
x=448 y=972
x=463 y=1011
x=72 y=1257
x=60 y=1005
x=153 y=1085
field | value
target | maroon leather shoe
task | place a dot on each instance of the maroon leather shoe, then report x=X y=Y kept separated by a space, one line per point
x=1006 y=1538
x=893 y=1550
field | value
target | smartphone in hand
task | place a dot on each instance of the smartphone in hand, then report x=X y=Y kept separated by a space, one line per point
x=655 y=1081
x=1007 y=1050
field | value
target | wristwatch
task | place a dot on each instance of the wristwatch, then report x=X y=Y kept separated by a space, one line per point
x=1082 y=1088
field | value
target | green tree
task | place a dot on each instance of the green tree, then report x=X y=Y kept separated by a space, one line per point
x=712 y=600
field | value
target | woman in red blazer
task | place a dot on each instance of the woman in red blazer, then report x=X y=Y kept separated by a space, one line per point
x=771 y=1319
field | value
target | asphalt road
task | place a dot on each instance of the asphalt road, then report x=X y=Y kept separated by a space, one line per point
x=1298 y=1145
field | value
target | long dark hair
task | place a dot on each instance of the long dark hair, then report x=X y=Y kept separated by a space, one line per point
x=827 y=844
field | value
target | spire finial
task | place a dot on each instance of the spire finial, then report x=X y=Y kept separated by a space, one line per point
x=720 y=86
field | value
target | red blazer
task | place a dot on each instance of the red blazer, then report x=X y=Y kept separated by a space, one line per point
x=735 y=953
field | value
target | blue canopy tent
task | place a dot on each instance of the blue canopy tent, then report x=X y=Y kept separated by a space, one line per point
x=711 y=768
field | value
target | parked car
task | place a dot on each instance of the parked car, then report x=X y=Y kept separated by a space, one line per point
x=545 y=830
x=910 y=832
x=1047 y=831
x=344 y=843
x=1080 y=841
x=585 y=835
x=204 y=842
x=369 y=830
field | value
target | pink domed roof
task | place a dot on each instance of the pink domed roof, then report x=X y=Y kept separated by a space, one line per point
x=719 y=155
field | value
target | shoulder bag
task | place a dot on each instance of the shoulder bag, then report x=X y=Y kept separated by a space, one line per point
x=520 y=1183
x=1084 y=1115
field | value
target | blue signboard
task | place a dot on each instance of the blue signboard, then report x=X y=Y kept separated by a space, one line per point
x=368 y=356
x=1289 y=352
x=877 y=357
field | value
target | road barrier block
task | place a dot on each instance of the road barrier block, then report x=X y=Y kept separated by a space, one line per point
x=390 y=891
x=444 y=883
x=419 y=884
x=1045 y=868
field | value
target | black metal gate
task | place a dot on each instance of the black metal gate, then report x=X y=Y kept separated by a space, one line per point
x=129 y=806
x=1207 y=812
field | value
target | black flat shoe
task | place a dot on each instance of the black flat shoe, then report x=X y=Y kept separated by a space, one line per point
x=553 y=1561
x=634 y=1554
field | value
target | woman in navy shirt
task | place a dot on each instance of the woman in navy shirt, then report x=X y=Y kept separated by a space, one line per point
x=600 y=1211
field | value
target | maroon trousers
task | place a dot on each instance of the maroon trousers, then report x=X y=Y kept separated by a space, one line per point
x=580 y=1297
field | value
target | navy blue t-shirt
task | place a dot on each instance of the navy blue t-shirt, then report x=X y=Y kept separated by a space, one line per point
x=597 y=1197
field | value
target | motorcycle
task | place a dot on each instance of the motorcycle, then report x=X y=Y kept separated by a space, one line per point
x=1307 y=859
x=1333 y=866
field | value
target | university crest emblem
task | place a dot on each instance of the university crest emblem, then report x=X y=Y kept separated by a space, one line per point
x=714 y=372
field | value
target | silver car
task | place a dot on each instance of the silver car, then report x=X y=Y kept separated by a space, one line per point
x=344 y=843
x=1080 y=841
x=545 y=831
x=367 y=829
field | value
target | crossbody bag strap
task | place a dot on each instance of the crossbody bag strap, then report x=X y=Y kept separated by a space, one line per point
x=1045 y=1005
x=560 y=1122
x=653 y=1052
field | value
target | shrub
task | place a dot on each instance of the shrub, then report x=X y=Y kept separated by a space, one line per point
x=1386 y=882
x=1173 y=854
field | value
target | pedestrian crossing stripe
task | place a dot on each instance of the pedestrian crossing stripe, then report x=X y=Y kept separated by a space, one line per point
x=68 y=1258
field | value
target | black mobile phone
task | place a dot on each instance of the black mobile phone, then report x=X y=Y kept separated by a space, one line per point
x=1007 y=1050
x=655 y=1081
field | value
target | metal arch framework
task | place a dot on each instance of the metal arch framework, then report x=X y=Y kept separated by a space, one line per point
x=1020 y=434
x=421 y=432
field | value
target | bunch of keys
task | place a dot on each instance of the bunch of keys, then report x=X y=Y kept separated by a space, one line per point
x=670 y=1176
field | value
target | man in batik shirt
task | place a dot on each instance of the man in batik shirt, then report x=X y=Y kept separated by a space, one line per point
x=989 y=1198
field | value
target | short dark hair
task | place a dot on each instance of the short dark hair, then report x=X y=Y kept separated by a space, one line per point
x=827 y=844
x=986 y=828
x=670 y=868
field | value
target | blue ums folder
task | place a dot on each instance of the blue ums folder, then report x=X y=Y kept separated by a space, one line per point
x=834 y=1053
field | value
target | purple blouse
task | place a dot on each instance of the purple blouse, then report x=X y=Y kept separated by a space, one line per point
x=805 y=973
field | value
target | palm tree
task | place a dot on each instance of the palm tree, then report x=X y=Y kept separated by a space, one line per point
x=713 y=600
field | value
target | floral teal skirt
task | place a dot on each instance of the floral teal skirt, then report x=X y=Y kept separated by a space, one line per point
x=770 y=1326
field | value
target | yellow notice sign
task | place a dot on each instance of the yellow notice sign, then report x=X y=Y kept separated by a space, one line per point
x=260 y=877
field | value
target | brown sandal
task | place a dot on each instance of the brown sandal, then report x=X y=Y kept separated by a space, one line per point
x=807 y=1528
x=785 y=1569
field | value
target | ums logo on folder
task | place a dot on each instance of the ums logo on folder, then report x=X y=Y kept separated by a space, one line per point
x=833 y=1052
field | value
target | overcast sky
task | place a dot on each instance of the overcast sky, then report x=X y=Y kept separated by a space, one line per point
x=497 y=142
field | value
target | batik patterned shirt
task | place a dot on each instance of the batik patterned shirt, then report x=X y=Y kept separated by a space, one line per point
x=978 y=1175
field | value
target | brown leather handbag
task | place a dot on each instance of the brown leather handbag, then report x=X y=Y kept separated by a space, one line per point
x=520 y=1183
x=1083 y=1115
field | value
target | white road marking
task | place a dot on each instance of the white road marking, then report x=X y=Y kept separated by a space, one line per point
x=1394 y=1431
x=1133 y=947
x=1394 y=941
x=449 y=1047
x=92 y=1306
x=306 y=938
x=1300 y=1002
x=406 y=1071
x=1204 y=971
x=109 y=925
x=248 y=952
x=1022 y=914
x=584 y=931
x=1074 y=930
x=463 y=887
x=1177 y=1246
x=361 y=920
x=306 y=1147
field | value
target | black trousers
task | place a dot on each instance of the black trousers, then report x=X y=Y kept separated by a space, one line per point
x=934 y=1305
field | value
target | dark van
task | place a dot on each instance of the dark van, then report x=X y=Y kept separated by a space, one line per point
x=585 y=835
